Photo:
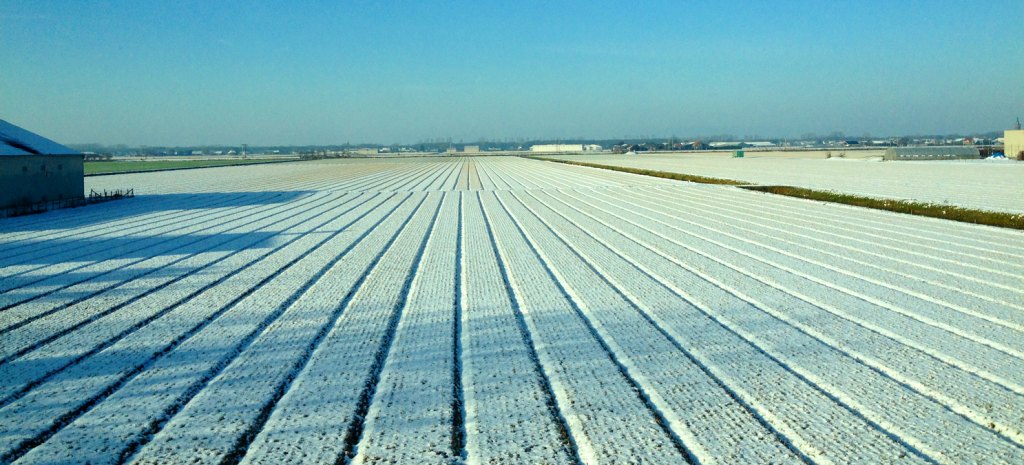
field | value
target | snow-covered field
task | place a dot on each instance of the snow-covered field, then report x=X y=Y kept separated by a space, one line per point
x=501 y=310
x=980 y=184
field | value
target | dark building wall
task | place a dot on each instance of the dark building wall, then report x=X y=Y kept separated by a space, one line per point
x=35 y=178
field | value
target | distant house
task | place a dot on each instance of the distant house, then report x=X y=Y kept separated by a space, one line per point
x=35 y=169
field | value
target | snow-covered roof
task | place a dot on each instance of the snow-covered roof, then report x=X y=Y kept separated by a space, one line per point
x=15 y=141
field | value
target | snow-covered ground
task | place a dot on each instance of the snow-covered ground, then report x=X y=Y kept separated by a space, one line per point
x=503 y=310
x=980 y=184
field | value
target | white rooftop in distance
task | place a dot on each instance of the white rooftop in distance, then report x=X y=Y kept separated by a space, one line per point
x=15 y=141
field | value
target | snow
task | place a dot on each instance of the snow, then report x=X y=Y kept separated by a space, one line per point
x=504 y=310
x=976 y=184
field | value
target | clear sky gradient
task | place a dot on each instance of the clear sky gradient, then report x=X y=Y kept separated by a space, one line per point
x=324 y=72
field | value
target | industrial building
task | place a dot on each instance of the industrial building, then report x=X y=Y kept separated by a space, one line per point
x=932 y=153
x=35 y=169
x=557 y=148
x=471 y=149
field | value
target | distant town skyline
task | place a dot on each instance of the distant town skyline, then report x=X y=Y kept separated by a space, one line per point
x=318 y=73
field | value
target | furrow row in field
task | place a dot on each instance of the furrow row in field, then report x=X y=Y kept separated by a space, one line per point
x=698 y=329
x=886 y=225
x=609 y=419
x=55 y=253
x=486 y=181
x=989 y=391
x=442 y=172
x=413 y=406
x=890 y=330
x=145 y=205
x=682 y=394
x=462 y=183
x=474 y=178
x=78 y=266
x=922 y=266
x=162 y=369
x=408 y=182
x=114 y=252
x=102 y=218
x=268 y=183
x=89 y=339
x=938 y=234
x=320 y=417
x=931 y=300
x=511 y=412
x=988 y=299
x=381 y=311
x=124 y=252
x=451 y=182
x=947 y=316
x=976 y=246
x=714 y=196
x=123 y=285
x=218 y=424
x=874 y=394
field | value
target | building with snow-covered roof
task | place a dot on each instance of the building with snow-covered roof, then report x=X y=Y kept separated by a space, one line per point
x=36 y=169
x=557 y=148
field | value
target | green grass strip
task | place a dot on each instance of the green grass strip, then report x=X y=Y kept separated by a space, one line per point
x=932 y=210
x=97 y=167
x=657 y=174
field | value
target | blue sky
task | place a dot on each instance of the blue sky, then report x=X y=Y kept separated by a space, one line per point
x=319 y=72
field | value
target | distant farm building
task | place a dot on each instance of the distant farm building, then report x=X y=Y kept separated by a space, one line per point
x=35 y=169
x=1013 y=144
x=932 y=153
x=557 y=148
x=696 y=145
x=592 y=148
x=471 y=149
x=727 y=145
